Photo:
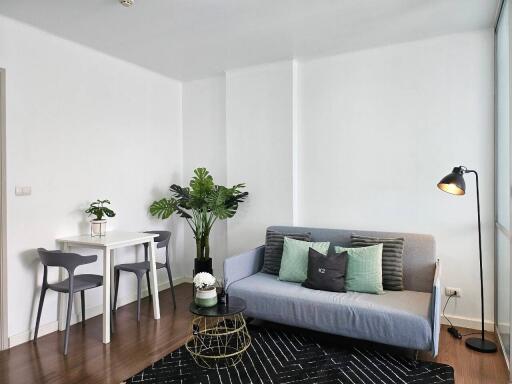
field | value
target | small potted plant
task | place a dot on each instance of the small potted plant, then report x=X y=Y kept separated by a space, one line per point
x=99 y=224
x=206 y=292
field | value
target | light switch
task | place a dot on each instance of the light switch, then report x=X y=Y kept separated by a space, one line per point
x=23 y=190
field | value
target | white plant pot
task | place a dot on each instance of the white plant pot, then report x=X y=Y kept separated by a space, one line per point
x=206 y=298
x=98 y=228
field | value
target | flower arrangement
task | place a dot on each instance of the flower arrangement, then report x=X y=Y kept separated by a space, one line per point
x=206 y=293
x=204 y=281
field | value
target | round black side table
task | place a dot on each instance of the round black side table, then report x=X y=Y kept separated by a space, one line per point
x=219 y=334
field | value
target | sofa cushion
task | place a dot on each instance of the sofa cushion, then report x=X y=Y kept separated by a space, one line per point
x=398 y=318
x=364 y=269
x=326 y=272
x=274 y=248
x=392 y=266
x=294 y=263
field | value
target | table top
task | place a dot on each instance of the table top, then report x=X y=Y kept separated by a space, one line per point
x=235 y=305
x=111 y=239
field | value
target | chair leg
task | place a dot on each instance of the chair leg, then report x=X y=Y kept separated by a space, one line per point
x=139 y=289
x=149 y=285
x=68 y=320
x=112 y=327
x=168 y=267
x=116 y=289
x=82 y=301
x=39 y=310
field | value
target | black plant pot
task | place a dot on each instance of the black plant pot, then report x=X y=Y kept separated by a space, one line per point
x=201 y=265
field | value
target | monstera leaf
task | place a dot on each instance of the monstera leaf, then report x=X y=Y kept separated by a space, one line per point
x=217 y=203
x=201 y=186
x=108 y=212
x=163 y=208
x=223 y=202
x=182 y=196
x=183 y=213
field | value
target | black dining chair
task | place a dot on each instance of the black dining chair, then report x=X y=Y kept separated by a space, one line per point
x=74 y=283
x=142 y=268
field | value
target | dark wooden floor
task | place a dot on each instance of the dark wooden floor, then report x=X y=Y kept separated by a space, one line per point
x=470 y=366
x=135 y=346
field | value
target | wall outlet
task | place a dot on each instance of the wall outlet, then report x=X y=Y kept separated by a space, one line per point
x=448 y=291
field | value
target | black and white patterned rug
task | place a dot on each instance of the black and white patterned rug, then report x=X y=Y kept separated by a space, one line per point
x=282 y=356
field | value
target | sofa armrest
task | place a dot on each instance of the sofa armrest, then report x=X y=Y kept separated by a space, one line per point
x=436 y=309
x=243 y=265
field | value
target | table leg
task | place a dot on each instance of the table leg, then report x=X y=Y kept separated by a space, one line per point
x=112 y=265
x=154 y=281
x=112 y=288
x=62 y=296
x=106 y=295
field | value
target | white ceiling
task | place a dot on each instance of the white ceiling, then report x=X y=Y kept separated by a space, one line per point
x=189 y=39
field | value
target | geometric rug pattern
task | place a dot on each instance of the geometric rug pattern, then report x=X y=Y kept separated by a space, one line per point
x=284 y=357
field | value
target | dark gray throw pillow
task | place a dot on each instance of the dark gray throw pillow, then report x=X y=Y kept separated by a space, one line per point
x=326 y=272
x=274 y=249
x=392 y=263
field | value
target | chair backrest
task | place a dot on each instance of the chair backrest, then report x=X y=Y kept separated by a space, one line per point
x=163 y=238
x=66 y=260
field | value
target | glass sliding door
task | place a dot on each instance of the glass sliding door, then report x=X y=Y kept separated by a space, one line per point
x=502 y=179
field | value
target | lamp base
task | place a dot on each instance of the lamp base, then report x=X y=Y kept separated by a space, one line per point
x=481 y=345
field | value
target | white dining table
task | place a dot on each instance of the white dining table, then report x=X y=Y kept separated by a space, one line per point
x=108 y=244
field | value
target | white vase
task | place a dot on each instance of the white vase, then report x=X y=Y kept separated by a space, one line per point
x=98 y=227
x=206 y=297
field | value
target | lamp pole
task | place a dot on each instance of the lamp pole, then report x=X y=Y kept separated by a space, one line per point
x=479 y=246
x=454 y=184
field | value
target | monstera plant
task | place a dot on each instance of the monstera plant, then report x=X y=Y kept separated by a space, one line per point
x=201 y=204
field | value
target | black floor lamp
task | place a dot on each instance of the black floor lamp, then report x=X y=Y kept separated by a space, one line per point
x=454 y=183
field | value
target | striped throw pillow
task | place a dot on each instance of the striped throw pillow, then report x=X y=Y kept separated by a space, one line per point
x=274 y=249
x=392 y=263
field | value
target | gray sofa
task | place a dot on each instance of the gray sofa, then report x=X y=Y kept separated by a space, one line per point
x=408 y=319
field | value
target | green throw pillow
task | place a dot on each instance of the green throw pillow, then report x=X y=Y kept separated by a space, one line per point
x=294 y=263
x=364 y=269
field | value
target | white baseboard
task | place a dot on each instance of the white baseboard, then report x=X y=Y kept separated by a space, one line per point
x=76 y=316
x=467 y=322
x=44 y=329
x=504 y=328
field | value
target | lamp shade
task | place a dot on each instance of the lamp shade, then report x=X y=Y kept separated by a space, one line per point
x=453 y=182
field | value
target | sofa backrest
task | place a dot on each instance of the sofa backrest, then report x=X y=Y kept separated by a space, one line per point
x=419 y=255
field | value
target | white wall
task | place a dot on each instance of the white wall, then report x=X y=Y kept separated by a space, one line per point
x=80 y=126
x=260 y=128
x=204 y=145
x=378 y=130
x=360 y=140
